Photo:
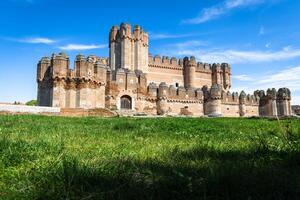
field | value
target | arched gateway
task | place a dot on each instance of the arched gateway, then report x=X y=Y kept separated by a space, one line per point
x=126 y=102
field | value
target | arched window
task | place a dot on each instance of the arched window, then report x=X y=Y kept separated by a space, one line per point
x=126 y=102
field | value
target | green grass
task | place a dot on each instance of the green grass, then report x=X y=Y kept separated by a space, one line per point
x=161 y=158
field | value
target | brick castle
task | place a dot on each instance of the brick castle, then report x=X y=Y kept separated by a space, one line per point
x=132 y=80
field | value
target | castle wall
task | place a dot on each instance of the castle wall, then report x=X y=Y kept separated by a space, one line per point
x=185 y=108
x=71 y=98
x=146 y=106
x=59 y=95
x=169 y=75
x=203 y=78
x=100 y=97
x=252 y=110
x=230 y=110
x=233 y=110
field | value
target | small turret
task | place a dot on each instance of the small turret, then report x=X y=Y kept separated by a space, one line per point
x=271 y=107
x=189 y=71
x=213 y=106
x=113 y=34
x=226 y=76
x=163 y=90
x=284 y=102
x=60 y=65
x=152 y=90
x=242 y=106
x=42 y=68
x=80 y=65
x=100 y=72
x=162 y=105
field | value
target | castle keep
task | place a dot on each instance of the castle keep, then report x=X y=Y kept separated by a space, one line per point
x=132 y=79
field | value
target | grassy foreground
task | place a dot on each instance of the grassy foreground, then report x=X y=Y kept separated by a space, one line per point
x=163 y=158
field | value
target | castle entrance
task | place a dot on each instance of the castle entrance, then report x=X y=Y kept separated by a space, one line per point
x=126 y=102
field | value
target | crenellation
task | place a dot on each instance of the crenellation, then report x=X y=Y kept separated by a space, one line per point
x=172 y=91
x=165 y=60
x=157 y=60
x=174 y=62
x=150 y=59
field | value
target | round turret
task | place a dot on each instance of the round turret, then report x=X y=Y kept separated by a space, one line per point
x=213 y=107
x=242 y=106
x=189 y=71
x=284 y=94
x=162 y=104
x=163 y=90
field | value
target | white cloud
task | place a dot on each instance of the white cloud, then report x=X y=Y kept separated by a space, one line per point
x=242 y=77
x=191 y=44
x=288 y=77
x=82 y=47
x=239 y=56
x=37 y=40
x=210 y=13
x=158 y=36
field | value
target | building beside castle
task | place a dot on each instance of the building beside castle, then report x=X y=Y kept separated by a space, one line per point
x=132 y=79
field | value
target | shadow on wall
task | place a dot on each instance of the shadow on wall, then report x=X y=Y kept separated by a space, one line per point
x=200 y=173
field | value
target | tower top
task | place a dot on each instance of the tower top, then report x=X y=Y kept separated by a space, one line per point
x=125 y=31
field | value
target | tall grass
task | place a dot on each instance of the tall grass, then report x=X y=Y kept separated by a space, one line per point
x=167 y=158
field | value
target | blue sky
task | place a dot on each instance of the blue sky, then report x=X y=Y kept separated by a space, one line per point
x=259 y=38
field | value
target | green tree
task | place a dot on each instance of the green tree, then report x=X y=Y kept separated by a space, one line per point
x=31 y=103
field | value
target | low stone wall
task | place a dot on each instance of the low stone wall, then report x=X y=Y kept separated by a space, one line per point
x=22 y=109
x=80 y=112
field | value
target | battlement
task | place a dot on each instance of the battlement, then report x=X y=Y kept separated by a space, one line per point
x=125 y=31
x=164 y=62
x=172 y=93
x=58 y=66
x=242 y=98
x=272 y=94
x=274 y=102
x=173 y=62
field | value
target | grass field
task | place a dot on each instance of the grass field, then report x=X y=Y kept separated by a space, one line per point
x=160 y=158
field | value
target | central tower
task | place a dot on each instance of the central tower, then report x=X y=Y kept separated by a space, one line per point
x=128 y=49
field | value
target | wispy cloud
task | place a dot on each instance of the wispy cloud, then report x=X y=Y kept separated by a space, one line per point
x=37 y=40
x=243 y=77
x=288 y=77
x=238 y=56
x=31 y=40
x=159 y=36
x=82 y=47
x=191 y=44
x=214 y=12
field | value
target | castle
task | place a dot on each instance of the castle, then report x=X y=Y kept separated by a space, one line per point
x=131 y=79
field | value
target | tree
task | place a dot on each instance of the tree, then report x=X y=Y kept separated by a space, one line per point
x=31 y=103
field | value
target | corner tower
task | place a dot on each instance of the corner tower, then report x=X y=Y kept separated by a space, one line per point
x=128 y=49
